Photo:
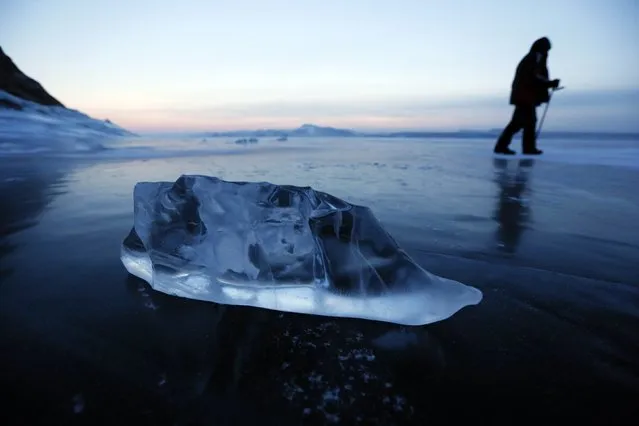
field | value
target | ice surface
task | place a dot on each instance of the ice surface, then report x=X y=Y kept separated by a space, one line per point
x=279 y=247
x=27 y=127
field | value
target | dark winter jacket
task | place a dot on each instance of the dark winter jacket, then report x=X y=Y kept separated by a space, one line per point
x=530 y=85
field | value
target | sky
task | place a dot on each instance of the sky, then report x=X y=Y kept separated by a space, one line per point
x=168 y=65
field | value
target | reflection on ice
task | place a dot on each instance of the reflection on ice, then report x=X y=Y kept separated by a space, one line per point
x=285 y=248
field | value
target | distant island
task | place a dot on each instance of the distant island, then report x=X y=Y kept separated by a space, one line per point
x=312 y=130
x=306 y=130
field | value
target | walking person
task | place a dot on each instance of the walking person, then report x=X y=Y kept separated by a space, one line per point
x=529 y=90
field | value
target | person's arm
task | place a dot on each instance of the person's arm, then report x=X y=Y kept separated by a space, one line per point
x=553 y=84
x=542 y=76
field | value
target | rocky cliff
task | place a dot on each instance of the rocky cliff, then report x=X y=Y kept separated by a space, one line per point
x=17 y=83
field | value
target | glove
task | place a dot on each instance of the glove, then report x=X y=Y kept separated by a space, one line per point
x=554 y=83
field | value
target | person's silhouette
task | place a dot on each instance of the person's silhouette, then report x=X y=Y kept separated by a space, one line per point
x=529 y=90
x=512 y=212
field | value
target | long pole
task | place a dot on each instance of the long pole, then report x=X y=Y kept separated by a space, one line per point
x=541 y=122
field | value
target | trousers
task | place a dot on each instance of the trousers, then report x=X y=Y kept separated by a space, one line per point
x=524 y=117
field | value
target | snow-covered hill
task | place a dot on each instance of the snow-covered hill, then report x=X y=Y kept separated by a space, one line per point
x=26 y=126
x=32 y=120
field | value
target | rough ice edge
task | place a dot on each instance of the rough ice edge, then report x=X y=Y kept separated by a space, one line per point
x=400 y=308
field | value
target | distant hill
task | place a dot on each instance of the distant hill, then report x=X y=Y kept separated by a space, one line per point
x=306 y=130
x=311 y=130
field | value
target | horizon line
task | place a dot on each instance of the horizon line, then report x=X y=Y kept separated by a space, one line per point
x=365 y=132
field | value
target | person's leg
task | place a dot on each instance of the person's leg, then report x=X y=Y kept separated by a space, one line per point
x=501 y=147
x=529 y=138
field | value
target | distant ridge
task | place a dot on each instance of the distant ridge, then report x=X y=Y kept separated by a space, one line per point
x=305 y=130
x=311 y=130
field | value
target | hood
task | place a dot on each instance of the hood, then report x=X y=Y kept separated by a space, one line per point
x=541 y=45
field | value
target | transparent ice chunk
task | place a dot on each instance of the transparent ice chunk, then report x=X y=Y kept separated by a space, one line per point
x=280 y=247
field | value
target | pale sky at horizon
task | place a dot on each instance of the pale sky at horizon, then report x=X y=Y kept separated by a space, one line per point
x=405 y=64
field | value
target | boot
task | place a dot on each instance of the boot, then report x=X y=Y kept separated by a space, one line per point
x=504 y=140
x=505 y=151
x=501 y=147
x=533 y=151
